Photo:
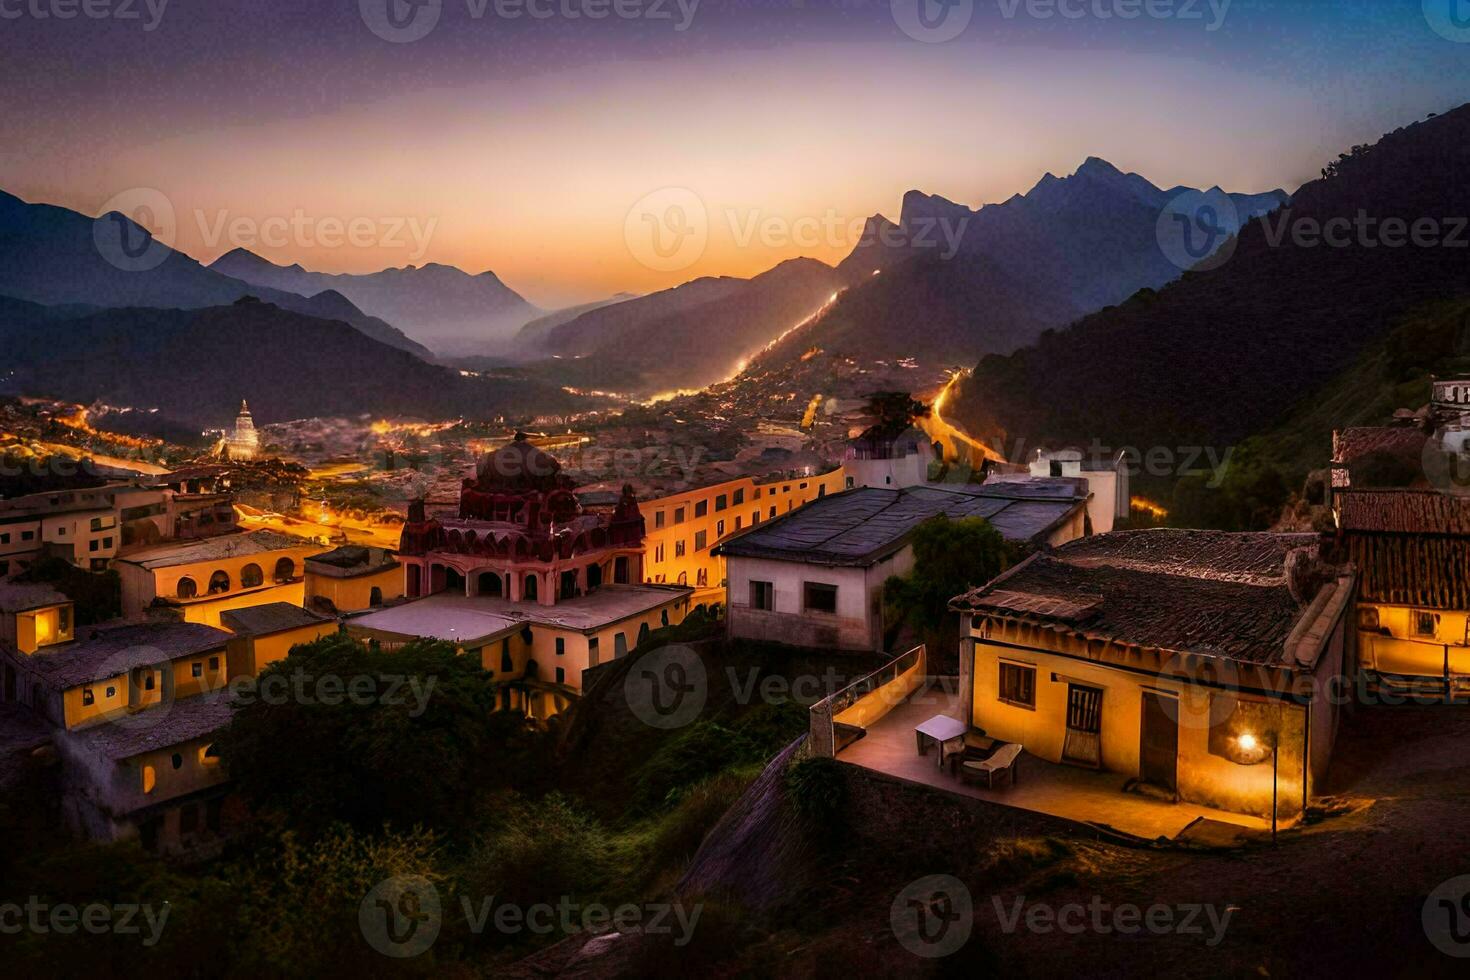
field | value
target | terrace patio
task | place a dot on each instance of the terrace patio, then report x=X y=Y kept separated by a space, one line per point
x=1095 y=798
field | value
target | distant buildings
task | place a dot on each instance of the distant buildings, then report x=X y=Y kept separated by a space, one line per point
x=1107 y=482
x=1202 y=664
x=815 y=577
x=352 y=578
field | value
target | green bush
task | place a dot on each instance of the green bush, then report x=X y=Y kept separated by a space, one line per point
x=816 y=788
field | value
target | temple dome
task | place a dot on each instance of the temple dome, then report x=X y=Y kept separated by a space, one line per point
x=518 y=465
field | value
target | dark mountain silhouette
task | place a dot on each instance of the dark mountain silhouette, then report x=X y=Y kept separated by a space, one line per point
x=951 y=283
x=1224 y=353
x=52 y=255
x=444 y=307
x=194 y=366
x=530 y=340
x=692 y=335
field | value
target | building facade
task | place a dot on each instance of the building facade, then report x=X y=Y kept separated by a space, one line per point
x=1205 y=666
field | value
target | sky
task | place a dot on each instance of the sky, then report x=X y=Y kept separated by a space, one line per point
x=580 y=148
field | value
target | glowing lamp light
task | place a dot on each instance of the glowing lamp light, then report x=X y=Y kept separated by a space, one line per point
x=1248 y=742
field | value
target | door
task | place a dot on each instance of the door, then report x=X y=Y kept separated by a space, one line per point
x=1083 y=744
x=1158 y=749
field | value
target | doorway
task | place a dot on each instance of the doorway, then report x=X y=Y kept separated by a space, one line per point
x=1158 y=742
x=1083 y=745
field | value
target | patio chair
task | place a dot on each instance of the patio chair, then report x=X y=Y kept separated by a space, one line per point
x=975 y=746
x=1003 y=762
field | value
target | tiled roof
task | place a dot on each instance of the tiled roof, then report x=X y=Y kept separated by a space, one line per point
x=863 y=526
x=1403 y=511
x=16 y=597
x=270 y=617
x=1399 y=440
x=159 y=727
x=110 y=651
x=1208 y=592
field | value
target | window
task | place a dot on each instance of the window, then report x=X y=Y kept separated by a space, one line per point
x=803 y=486
x=186 y=588
x=88 y=698
x=61 y=532
x=658 y=518
x=214 y=663
x=663 y=617
x=1018 y=685
x=561 y=647
x=4 y=568
x=1368 y=618
x=561 y=675
x=756 y=495
x=678 y=515
x=148 y=681
x=620 y=645
x=721 y=502
x=719 y=529
x=209 y=755
x=786 y=488
x=737 y=523
x=177 y=761
x=28 y=535
x=701 y=507
x=592 y=651
x=5 y=538
x=739 y=498
x=251 y=576
x=219 y=582
x=819 y=597
x=63 y=620
x=111 y=693
x=1425 y=623
x=106 y=542
x=762 y=595
x=773 y=513
x=197 y=668
x=150 y=779
x=658 y=555
x=701 y=540
x=375 y=596
x=506 y=664
x=285 y=570
x=755 y=518
x=678 y=549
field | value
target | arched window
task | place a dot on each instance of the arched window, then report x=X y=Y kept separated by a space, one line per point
x=375 y=597
x=489 y=584
x=251 y=576
x=528 y=588
x=219 y=582
x=187 y=589
x=285 y=570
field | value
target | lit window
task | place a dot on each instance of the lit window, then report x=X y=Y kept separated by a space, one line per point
x=1425 y=623
x=150 y=779
x=88 y=697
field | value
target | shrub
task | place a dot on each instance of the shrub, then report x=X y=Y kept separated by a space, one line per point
x=816 y=788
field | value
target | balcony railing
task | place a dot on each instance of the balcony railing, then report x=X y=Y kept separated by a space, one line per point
x=841 y=718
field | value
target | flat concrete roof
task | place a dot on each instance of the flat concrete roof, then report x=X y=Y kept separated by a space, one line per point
x=462 y=619
x=212 y=549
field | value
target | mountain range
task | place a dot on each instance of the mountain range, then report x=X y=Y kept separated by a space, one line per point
x=55 y=256
x=1228 y=351
x=689 y=336
x=445 y=308
x=953 y=283
x=194 y=366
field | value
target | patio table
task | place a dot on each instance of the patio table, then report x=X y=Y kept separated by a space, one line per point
x=940 y=730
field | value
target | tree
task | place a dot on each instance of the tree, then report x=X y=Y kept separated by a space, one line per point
x=894 y=411
x=339 y=731
x=950 y=558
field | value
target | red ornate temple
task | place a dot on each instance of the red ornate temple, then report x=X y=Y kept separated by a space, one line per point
x=521 y=534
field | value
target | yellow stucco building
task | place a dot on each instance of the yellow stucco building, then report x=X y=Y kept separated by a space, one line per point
x=264 y=634
x=199 y=580
x=352 y=578
x=1204 y=665
x=684 y=528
